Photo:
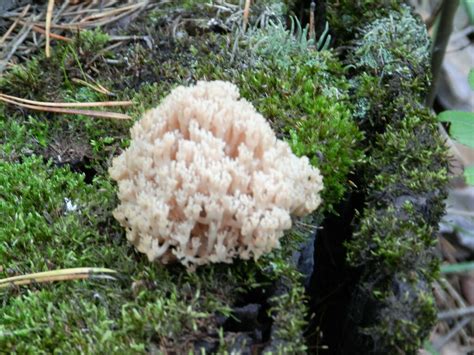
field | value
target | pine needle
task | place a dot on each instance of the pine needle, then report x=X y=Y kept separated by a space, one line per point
x=80 y=273
x=69 y=104
x=56 y=107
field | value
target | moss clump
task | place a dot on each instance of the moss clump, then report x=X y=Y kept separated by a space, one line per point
x=346 y=17
x=289 y=321
x=406 y=311
x=396 y=235
x=392 y=56
x=315 y=121
x=394 y=45
x=35 y=218
x=391 y=239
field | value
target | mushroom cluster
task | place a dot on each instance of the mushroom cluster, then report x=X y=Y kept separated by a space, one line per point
x=205 y=179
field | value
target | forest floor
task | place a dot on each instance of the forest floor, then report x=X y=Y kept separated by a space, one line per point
x=24 y=32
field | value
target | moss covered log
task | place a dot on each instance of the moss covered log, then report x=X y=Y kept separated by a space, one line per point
x=394 y=245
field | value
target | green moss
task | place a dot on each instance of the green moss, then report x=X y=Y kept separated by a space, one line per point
x=346 y=17
x=392 y=56
x=405 y=316
x=413 y=156
x=289 y=321
x=307 y=99
x=391 y=239
x=149 y=306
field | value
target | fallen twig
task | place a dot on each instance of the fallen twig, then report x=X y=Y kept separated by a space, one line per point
x=20 y=37
x=312 y=26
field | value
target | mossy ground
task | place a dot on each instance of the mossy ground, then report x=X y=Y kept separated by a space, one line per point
x=47 y=160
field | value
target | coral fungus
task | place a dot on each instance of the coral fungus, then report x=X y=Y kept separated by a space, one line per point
x=205 y=179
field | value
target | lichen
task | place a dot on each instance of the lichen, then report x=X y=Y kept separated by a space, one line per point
x=397 y=44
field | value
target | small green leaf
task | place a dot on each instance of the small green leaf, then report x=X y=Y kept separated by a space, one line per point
x=429 y=348
x=462 y=125
x=469 y=6
x=469 y=175
x=470 y=78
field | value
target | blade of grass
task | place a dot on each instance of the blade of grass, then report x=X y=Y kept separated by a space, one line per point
x=469 y=6
x=457 y=268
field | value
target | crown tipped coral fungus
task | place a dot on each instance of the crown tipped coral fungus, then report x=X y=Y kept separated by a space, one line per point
x=205 y=179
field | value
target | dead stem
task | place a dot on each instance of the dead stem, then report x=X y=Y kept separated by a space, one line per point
x=49 y=15
x=246 y=14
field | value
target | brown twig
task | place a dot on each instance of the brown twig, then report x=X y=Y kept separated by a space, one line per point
x=246 y=14
x=49 y=16
x=458 y=300
x=14 y=44
x=429 y=22
x=312 y=26
x=438 y=345
x=112 y=12
x=77 y=25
